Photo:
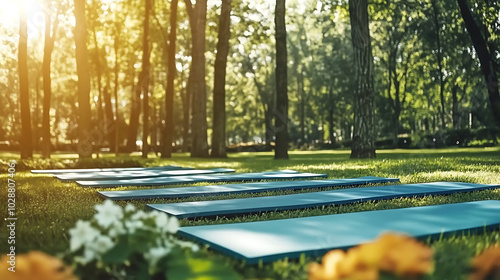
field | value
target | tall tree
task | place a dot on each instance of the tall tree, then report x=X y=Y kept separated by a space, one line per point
x=281 y=113
x=146 y=69
x=439 y=56
x=169 y=91
x=486 y=58
x=50 y=33
x=196 y=83
x=26 y=137
x=363 y=142
x=83 y=72
x=219 y=125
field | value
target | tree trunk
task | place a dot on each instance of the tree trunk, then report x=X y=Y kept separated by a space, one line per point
x=281 y=112
x=439 y=55
x=135 y=112
x=486 y=59
x=331 y=130
x=26 y=136
x=146 y=69
x=300 y=84
x=198 y=17
x=116 y=44
x=47 y=88
x=186 y=105
x=169 y=91
x=363 y=144
x=454 y=97
x=219 y=106
x=82 y=68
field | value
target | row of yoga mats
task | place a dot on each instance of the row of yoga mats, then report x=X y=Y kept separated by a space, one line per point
x=313 y=236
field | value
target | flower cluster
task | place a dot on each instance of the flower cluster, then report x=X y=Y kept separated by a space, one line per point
x=392 y=253
x=486 y=265
x=36 y=265
x=119 y=235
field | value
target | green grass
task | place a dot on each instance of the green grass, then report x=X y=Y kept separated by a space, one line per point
x=48 y=208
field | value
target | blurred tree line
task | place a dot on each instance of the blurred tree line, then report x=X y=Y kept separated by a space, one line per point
x=203 y=76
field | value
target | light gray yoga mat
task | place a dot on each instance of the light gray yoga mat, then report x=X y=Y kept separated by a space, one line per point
x=241 y=188
x=160 y=181
x=87 y=170
x=314 y=236
x=308 y=200
x=114 y=175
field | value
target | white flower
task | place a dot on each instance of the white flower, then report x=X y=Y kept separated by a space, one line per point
x=102 y=244
x=155 y=254
x=116 y=229
x=133 y=225
x=172 y=225
x=130 y=208
x=195 y=248
x=88 y=256
x=108 y=213
x=161 y=220
x=81 y=234
x=139 y=215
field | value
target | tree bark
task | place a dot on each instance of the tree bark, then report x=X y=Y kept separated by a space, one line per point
x=439 y=55
x=135 y=112
x=26 y=136
x=116 y=45
x=363 y=144
x=197 y=17
x=47 y=81
x=486 y=59
x=219 y=106
x=169 y=91
x=281 y=112
x=82 y=67
x=146 y=69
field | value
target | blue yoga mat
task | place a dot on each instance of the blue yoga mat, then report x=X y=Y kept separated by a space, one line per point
x=114 y=175
x=307 y=200
x=91 y=170
x=314 y=236
x=159 y=181
x=241 y=188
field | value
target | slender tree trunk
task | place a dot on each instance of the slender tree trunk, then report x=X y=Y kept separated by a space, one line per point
x=197 y=86
x=47 y=89
x=47 y=81
x=300 y=83
x=439 y=55
x=186 y=104
x=115 y=91
x=82 y=68
x=363 y=144
x=169 y=91
x=219 y=106
x=135 y=112
x=26 y=136
x=281 y=112
x=146 y=69
x=486 y=59
x=454 y=97
x=331 y=131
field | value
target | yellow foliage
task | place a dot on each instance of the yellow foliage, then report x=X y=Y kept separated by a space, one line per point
x=486 y=265
x=35 y=265
x=396 y=254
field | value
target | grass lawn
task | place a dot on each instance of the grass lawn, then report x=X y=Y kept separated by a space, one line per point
x=48 y=208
